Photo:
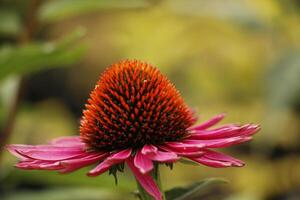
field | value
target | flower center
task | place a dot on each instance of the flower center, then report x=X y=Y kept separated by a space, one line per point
x=133 y=104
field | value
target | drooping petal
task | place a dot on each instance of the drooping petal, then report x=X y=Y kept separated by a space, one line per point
x=181 y=147
x=145 y=180
x=222 y=157
x=226 y=131
x=209 y=123
x=142 y=162
x=77 y=163
x=196 y=153
x=57 y=154
x=211 y=163
x=45 y=152
x=111 y=160
x=217 y=143
x=216 y=159
x=13 y=150
x=38 y=165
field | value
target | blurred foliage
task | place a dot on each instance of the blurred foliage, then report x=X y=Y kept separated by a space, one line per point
x=10 y=23
x=32 y=57
x=55 y=10
x=239 y=57
x=7 y=96
x=287 y=90
x=65 y=194
x=196 y=190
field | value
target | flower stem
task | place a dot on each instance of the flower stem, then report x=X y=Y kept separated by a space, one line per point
x=156 y=176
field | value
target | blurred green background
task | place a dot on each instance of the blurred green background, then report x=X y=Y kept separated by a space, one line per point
x=239 y=57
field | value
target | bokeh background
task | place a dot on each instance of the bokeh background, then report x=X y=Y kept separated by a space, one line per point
x=239 y=57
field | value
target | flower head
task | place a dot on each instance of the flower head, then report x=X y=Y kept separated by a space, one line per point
x=136 y=116
x=133 y=104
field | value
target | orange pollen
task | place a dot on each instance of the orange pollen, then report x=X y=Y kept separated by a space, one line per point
x=133 y=104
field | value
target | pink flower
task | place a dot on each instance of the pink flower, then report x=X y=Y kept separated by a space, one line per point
x=136 y=116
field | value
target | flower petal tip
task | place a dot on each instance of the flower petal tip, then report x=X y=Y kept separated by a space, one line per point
x=10 y=147
x=240 y=164
x=221 y=115
x=94 y=173
x=89 y=174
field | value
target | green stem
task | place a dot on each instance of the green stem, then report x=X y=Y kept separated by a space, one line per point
x=156 y=176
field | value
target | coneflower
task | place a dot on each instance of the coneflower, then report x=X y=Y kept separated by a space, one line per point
x=136 y=116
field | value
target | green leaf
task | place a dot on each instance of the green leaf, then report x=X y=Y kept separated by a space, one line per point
x=56 y=10
x=182 y=193
x=37 y=56
x=10 y=22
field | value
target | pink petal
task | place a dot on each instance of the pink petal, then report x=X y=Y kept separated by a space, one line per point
x=38 y=165
x=211 y=163
x=54 y=155
x=77 y=163
x=181 y=147
x=44 y=152
x=142 y=162
x=216 y=159
x=222 y=157
x=227 y=131
x=145 y=180
x=161 y=156
x=149 y=149
x=113 y=159
x=217 y=143
x=196 y=153
x=12 y=150
x=209 y=123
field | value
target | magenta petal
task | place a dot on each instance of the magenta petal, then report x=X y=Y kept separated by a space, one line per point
x=196 y=153
x=38 y=164
x=213 y=155
x=44 y=152
x=216 y=159
x=53 y=154
x=217 y=143
x=13 y=150
x=77 y=163
x=181 y=147
x=162 y=156
x=142 y=162
x=225 y=132
x=149 y=149
x=211 y=163
x=145 y=180
x=111 y=160
x=209 y=123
